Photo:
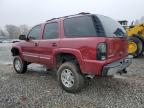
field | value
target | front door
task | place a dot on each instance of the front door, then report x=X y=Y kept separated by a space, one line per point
x=30 y=48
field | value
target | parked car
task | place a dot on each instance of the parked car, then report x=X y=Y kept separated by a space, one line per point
x=15 y=40
x=76 y=46
x=6 y=41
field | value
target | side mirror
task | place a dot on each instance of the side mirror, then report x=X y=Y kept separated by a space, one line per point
x=22 y=37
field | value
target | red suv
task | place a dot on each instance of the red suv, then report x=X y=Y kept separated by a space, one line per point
x=76 y=46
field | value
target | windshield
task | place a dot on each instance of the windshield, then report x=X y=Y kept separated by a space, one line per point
x=112 y=28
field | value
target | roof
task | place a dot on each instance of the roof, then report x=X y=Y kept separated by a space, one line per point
x=123 y=21
x=79 y=14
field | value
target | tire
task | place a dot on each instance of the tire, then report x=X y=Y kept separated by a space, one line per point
x=70 y=78
x=139 y=44
x=19 y=65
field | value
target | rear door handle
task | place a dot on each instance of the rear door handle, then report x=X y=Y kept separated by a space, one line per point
x=54 y=44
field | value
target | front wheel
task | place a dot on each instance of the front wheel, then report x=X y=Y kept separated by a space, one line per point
x=70 y=78
x=20 y=66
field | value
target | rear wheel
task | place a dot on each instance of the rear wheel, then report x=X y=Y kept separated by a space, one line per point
x=135 y=47
x=69 y=77
x=20 y=66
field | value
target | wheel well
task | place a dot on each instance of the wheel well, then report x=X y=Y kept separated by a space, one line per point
x=15 y=52
x=64 y=57
x=139 y=37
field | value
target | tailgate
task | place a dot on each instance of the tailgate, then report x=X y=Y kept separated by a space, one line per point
x=117 y=48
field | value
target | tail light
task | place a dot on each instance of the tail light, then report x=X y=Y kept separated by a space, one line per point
x=101 y=51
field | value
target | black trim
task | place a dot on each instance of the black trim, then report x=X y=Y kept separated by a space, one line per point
x=98 y=26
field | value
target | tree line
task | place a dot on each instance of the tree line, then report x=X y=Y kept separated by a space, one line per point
x=13 y=31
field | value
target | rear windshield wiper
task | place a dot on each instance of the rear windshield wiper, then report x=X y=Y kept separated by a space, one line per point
x=119 y=33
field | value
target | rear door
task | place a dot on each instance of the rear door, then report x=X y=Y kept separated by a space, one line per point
x=49 y=44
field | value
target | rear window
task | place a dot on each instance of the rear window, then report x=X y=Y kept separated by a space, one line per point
x=112 y=28
x=79 y=27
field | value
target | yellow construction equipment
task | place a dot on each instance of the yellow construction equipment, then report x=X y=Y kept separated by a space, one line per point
x=135 y=37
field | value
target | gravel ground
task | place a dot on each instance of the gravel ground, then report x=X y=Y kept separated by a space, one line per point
x=40 y=89
x=5 y=54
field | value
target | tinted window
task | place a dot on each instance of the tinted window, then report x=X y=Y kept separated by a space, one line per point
x=35 y=32
x=51 y=31
x=112 y=28
x=79 y=27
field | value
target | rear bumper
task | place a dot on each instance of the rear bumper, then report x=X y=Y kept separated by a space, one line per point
x=117 y=66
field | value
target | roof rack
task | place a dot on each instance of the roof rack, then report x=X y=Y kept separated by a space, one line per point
x=82 y=13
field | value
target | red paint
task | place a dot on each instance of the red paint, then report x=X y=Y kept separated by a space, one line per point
x=84 y=50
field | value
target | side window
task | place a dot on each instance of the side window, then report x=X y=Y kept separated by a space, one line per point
x=79 y=27
x=51 y=31
x=35 y=32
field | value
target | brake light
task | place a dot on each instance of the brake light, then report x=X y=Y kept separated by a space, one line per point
x=101 y=51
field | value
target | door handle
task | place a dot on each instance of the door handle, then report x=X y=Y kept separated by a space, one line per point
x=54 y=44
x=36 y=44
